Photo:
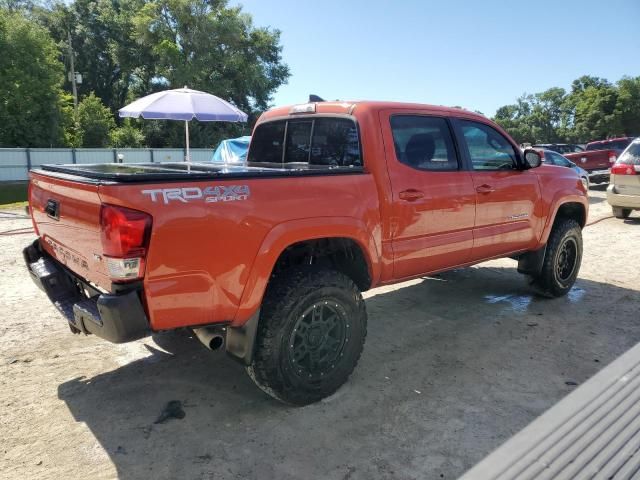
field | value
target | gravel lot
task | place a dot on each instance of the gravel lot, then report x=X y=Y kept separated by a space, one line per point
x=453 y=366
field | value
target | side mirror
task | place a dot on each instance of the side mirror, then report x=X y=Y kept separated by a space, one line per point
x=532 y=158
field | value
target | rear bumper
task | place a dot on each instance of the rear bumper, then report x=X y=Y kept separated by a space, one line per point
x=599 y=176
x=620 y=200
x=117 y=318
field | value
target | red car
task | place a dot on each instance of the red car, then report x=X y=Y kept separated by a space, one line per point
x=270 y=258
x=599 y=156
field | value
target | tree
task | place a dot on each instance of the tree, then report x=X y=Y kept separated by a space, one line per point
x=127 y=136
x=94 y=122
x=106 y=54
x=627 y=107
x=594 y=109
x=125 y=49
x=30 y=84
x=211 y=47
x=594 y=114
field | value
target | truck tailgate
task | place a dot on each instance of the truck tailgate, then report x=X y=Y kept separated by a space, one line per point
x=592 y=160
x=67 y=216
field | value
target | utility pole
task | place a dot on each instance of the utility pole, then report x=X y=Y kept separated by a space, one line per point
x=73 y=73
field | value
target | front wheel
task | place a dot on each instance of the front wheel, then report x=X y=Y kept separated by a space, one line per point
x=310 y=336
x=562 y=259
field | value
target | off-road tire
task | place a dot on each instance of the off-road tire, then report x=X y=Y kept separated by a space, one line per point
x=565 y=235
x=620 y=212
x=289 y=295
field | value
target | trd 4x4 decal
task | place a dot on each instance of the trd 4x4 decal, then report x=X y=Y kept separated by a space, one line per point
x=221 y=193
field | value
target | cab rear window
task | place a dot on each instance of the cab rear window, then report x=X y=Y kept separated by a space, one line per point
x=306 y=142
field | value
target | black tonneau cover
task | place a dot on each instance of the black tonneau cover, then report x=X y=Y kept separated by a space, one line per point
x=141 y=172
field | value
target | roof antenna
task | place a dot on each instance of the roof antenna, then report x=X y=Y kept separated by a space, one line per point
x=315 y=98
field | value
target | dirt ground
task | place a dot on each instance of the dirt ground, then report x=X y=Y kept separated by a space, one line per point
x=453 y=366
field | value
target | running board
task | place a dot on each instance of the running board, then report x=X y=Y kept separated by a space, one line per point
x=594 y=432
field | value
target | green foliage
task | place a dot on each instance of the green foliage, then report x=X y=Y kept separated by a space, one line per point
x=30 y=84
x=127 y=136
x=126 y=49
x=210 y=47
x=106 y=55
x=94 y=122
x=70 y=127
x=627 y=109
x=594 y=109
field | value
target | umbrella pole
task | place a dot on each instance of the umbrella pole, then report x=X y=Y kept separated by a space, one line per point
x=187 y=157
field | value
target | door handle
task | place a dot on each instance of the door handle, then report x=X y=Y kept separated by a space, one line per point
x=411 y=195
x=485 y=189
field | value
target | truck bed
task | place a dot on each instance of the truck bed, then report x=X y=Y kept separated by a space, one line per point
x=207 y=224
x=150 y=172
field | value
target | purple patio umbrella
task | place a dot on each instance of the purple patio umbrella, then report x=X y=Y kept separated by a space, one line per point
x=183 y=104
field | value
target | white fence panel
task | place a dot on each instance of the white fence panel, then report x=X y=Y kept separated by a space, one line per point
x=13 y=164
x=41 y=156
x=166 y=155
x=94 y=155
x=14 y=161
x=134 y=155
x=201 y=155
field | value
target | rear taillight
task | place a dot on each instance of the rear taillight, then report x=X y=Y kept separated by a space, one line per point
x=125 y=237
x=624 y=169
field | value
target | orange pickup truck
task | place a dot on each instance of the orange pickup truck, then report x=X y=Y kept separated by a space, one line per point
x=269 y=259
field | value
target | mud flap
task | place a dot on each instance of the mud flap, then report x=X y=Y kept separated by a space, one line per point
x=530 y=263
x=241 y=340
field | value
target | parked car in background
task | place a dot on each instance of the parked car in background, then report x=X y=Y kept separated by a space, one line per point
x=623 y=193
x=550 y=157
x=596 y=163
x=615 y=144
x=561 y=147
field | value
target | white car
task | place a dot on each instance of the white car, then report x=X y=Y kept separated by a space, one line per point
x=623 y=193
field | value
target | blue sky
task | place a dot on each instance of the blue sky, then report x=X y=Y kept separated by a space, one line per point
x=479 y=54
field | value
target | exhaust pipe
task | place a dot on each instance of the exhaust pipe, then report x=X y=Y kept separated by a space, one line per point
x=211 y=337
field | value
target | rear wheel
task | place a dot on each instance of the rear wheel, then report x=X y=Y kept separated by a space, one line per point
x=562 y=259
x=620 y=212
x=311 y=333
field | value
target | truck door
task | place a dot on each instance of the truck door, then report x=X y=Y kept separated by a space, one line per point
x=433 y=200
x=506 y=196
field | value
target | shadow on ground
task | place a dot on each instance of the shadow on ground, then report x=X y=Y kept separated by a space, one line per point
x=601 y=187
x=453 y=366
x=595 y=200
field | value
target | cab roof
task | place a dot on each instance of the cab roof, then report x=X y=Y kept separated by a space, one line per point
x=349 y=107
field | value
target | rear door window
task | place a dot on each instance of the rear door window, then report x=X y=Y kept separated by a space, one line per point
x=306 y=143
x=423 y=142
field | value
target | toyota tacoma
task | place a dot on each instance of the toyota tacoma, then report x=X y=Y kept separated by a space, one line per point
x=269 y=259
